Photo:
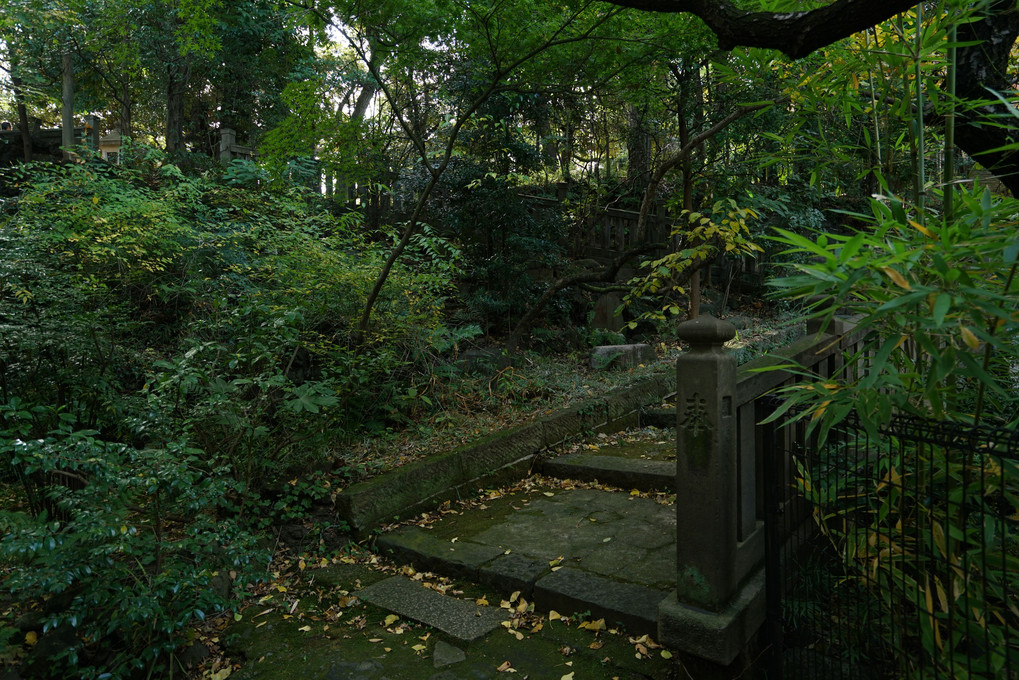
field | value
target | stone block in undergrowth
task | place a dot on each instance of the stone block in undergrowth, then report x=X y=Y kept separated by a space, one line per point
x=621 y=356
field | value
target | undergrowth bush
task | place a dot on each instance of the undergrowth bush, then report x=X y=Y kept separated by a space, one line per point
x=120 y=548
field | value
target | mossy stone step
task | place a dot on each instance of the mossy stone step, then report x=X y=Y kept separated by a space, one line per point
x=625 y=473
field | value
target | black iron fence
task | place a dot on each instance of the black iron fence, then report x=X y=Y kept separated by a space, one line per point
x=893 y=553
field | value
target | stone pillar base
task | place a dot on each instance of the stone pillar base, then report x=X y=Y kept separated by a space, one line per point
x=717 y=637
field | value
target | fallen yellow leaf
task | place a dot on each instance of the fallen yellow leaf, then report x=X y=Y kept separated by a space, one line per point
x=391 y=619
x=31 y=637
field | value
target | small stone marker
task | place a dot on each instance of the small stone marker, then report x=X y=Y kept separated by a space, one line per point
x=621 y=356
x=460 y=619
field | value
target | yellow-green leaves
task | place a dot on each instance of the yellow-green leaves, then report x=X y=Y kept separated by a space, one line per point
x=702 y=237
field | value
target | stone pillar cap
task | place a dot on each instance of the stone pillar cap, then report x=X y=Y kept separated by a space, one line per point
x=706 y=331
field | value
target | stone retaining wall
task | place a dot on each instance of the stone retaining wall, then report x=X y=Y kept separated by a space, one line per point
x=495 y=460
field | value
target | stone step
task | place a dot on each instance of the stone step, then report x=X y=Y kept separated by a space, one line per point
x=570 y=550
x=625 y=473
x=665 y=418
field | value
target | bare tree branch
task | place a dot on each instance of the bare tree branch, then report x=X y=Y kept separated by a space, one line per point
x=605 y=275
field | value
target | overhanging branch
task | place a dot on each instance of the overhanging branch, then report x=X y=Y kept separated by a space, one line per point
x=795 y=34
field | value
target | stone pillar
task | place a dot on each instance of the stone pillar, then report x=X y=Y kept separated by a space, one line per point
x=227 y=141
x=719 y=599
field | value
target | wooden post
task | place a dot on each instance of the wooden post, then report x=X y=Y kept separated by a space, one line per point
x=227 y=141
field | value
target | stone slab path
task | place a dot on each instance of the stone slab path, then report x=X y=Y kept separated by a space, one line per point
x=462 y=620
x=610 y=553
x=574 y=549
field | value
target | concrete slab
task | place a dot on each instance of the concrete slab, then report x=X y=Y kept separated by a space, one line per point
x=614 y=553
x=513 y=572
x=460 y=619
x=664 y=418
x=621 y=356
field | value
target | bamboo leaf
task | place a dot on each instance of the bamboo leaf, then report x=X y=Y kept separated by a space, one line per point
x=970 y=338
x=941 y=306
x=897 y=278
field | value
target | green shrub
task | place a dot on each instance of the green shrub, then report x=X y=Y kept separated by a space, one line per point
x=114 y=278
x=937 y=303
x=124 y=550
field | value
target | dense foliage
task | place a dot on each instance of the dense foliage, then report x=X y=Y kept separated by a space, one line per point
x=174 y=347
x=179 y=335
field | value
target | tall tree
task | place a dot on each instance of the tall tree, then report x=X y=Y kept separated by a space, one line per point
x=422 y=44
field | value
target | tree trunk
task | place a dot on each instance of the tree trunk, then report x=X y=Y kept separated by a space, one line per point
x=67 y=106
x=26 y=134
x=984 y=66
x=638 y=148
x=175 y=89
x=125 y=110
x=684 y=142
